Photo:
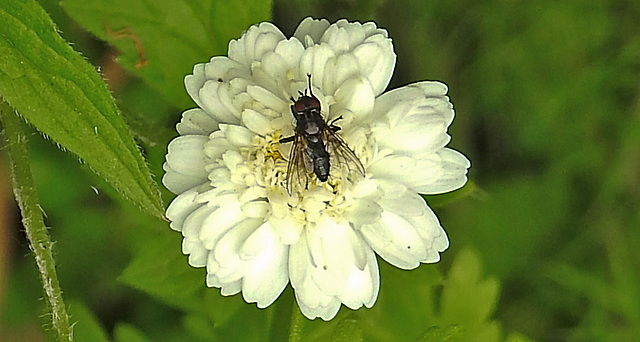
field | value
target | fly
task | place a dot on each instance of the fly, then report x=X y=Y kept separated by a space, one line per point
x=315 y=144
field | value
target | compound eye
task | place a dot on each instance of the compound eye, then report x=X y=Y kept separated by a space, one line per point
x=313 y=103
x=306 y=103
x=299 y=106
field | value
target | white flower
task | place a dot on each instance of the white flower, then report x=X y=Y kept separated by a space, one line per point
x=229 y=168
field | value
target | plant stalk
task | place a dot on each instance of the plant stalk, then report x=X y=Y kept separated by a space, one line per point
x=35 y=230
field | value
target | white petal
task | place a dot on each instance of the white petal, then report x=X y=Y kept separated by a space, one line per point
x=194 y=82
x=193 y=223
x=336 y=251
x=186 y=155
x=221 y=220
x=177 y=182
x=196 y=122
x=327 y=310
x=334 y=263
x=314 y=28
x=227 y=250
x=287 y=228
x=435 y=238
x=346 y=67
x=256 y=122
x=231 y=289
x=226 y=289
x=369 y=48
x=428 y=94
x=196 y=251
x=319 y=62
x=356 y=96
x=181 y=206
x=418 y=129
x=216 y=101
x=254 y=43
x=224 y=69
x=281 y=65
x=377 y=60
x=266 y=271
x=338 y=38
x=351 y=33
x=299 y=261
x=267 y=98
x=451 y=173
x=363 y=211
x=290 y=52
x=217 y=145
x=185 y=165
x=396 y=241
x=407 y=205
x=413 y=208
x=312 y=301
x=362 y=286
x=255 y=209
x=237 y=135
x=393 y=166
x=389 y=188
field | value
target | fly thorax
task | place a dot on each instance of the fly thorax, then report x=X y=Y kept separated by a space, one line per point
x=311 y=128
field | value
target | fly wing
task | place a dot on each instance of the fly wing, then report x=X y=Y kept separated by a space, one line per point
x=341 y=153
x=297 y=174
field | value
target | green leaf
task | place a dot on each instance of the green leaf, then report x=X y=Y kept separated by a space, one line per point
x=128 y=333
x=518 y=337
x=85 y=327
x=62 y=95
x=468 y=300
x=405 y=308
x=199 y=326
x=161 y=41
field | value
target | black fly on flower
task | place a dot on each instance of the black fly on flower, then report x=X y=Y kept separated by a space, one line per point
x=316 y=145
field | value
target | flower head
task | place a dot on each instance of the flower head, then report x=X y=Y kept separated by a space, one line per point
x=229 y=167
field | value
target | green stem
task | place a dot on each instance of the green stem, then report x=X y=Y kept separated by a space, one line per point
x=297 y=320
x=39 y=241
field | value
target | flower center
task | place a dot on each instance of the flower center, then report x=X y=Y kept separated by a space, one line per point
x=306 y=203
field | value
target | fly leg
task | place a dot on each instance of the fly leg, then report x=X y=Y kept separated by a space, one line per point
x=287 y=139
x=332 y=125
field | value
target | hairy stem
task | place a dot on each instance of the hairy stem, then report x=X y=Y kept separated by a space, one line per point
x=35 y=230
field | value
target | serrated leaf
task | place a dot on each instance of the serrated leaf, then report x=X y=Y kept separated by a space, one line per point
x=469 y=300
x=63 y=96
x=405 y=308
x=161 y=41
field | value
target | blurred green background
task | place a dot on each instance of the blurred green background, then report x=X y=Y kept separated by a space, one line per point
x=548 y=110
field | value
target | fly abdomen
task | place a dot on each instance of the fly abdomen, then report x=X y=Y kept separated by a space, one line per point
x=319 y=159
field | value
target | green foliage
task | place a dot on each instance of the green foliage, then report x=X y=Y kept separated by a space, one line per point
x=85 y=327
x=62 y=95
x=128 y=333
x=171 y=36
